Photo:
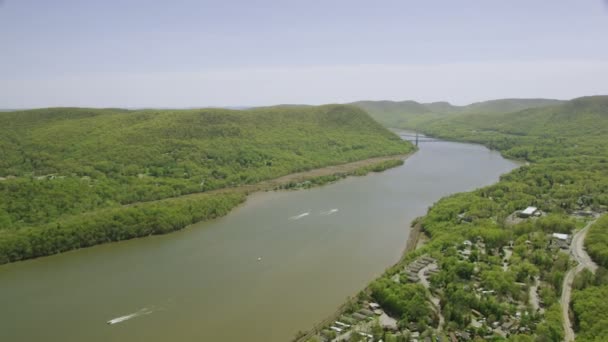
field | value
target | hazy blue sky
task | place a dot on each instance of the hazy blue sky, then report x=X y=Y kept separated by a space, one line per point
x=132 y=53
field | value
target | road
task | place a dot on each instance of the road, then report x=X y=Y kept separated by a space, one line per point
x=508 y=254
x=534 y=301
x=425 y=282
x=577 y=251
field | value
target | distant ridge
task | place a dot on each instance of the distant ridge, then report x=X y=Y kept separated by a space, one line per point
x=410 y=114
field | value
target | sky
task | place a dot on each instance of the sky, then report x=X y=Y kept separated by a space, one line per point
x=135 y=53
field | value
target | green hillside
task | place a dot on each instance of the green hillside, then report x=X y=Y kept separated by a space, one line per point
x=411 y=114
x=575 y=128
x=59 y=163
x=507 y=105
x=566 y=146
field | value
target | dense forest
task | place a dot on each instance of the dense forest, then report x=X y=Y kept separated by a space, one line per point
x=589 y=299
x=492 y=263
x=73 y=177
x=568 y=150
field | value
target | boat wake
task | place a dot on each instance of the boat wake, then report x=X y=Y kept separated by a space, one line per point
x=144 y=311
x=297 y=217
x=329 y=212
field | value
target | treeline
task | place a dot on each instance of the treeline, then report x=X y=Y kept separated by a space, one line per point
x=114 y=224
x=406 y=301
x=362 y=171
x=591 y=290
x=589 y=305
x=596 y=242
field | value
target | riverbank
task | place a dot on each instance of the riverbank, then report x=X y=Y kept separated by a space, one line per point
x=413 y=242
x=356 y=168
x=163 y=216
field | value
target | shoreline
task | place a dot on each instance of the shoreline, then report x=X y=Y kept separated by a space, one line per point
x=233 y=197
x=412 y=244
x=413 y=240
x=297 y=177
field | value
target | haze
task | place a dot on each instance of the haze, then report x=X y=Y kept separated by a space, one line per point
x=241 y=53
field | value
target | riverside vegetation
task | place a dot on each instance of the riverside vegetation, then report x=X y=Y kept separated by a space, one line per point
x=76 y=177
x=499 y=277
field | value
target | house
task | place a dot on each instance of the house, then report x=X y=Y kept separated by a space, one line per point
x=359 y=316
x=465 y=252
x=388 y=323
x=366 y=312
x=528 y=212
x=464 y=218
x=365 y=334
x=341 y=324
x=463 y=335
x=559 y=236
x=560 y=240
x=506 y=326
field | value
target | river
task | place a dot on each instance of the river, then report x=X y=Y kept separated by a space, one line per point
x=280 y=263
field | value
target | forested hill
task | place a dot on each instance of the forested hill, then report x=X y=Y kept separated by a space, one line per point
x=411 y=114
x=575 y=128
x=188 y=143
x=60 y=162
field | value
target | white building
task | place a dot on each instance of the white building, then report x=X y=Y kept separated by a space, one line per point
x=529 y=211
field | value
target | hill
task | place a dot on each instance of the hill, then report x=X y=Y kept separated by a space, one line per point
x=576 y=127
x=411 y=114
x=507 y=105
x=491 y=264
x=60 y=163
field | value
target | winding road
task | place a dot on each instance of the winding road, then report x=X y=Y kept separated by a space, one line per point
x=436 y=302
x=577 y=251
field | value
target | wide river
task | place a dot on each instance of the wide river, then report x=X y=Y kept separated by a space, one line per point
x=277 y=264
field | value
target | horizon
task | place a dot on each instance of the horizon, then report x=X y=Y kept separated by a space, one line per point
x=245 y=107
x=152 y=54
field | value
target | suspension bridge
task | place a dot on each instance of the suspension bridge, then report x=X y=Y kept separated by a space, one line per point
x=417 y=138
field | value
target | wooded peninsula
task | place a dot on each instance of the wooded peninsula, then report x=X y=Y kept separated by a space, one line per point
x=77 y=177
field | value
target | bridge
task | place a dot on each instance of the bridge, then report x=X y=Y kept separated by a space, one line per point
x=417 y=138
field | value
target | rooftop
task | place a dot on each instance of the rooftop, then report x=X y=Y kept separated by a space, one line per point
x=560 y=236
x=529 y=210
